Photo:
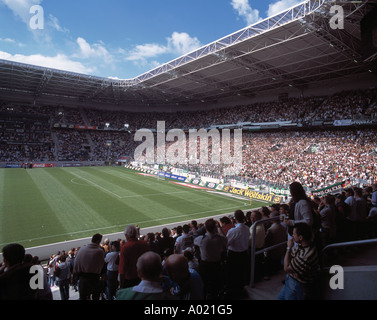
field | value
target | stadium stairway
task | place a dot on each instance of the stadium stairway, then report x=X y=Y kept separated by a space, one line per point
x=358 y=262
x=357 y=277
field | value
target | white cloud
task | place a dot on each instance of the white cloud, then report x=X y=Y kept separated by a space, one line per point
x=245 y=11
x=182 y=43
x=178 y=44
x=9 y=40
x=280 y=6
x=12 y=41
x=96 y=50
x=149 y=50
x=21 y=8
x=54 y=22
x=60 y=61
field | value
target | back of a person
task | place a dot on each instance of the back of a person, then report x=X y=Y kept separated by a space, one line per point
x=165 y=243
x=303 y=211
x=130 y=252
x=15 y=283
x=130 y=294
x=351 y=202
x=361 y=209
x=89 y=259
x=187 y=242
x=213 y=246
x=276 y=234
x=238 y=237
x=65 y=271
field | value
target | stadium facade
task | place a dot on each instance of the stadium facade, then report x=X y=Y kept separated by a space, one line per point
x=295 y=53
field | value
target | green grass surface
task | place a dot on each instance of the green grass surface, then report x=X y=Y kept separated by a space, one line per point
x=42 y=206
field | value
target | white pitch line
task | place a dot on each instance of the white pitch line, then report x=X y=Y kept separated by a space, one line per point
x=126 y=197
x=122 y=225
x=96 y=185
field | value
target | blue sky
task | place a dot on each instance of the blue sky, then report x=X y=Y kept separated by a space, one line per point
x=120 y=38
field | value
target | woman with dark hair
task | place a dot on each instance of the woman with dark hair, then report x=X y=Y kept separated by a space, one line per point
x=300 y=205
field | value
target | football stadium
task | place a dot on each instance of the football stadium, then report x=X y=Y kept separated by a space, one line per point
x=227 y=128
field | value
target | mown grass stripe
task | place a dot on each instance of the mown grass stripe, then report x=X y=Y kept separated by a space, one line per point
x=72 y=213
x=24 y=210
x=73 y=203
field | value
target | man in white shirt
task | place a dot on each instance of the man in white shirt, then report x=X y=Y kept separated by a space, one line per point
x=212 y=248
x=184 y=241
x=238 y=257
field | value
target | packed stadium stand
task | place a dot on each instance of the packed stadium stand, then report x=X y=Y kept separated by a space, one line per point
x=304 y=95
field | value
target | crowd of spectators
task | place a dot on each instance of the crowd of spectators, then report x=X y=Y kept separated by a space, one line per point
x=316 y=159
x=203 y=261
x=73 y=146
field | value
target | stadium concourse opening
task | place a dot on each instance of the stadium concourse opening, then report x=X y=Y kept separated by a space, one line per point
x=304 y=96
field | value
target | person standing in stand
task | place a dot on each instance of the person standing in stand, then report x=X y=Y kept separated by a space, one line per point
x=238 y=257
x=88 y=266
x=129 y=253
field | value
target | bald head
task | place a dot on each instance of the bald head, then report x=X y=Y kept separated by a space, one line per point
x=149 y=266
x=177 y=267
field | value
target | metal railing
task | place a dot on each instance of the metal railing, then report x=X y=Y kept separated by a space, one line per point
x=343 y=245
x=253 y=251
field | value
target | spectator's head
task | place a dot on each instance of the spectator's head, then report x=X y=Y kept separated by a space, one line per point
x=186 y=228
x=239 y=216
x=330 y=199
x=165 y=233
x=211 y=226
x=194 y=224
x=115 y=245
x=255 y=216
x=13 y=254
x=284 y=208
x=265 y=211
x=275 y=207
x=297 y=192
x=150 y=236
x=302 y=232
x=177 y=268
x=130 y=232
x=225 y=220
x=189 y=254
x=275 y=214
x=97 y=238
x=149 y=266
x=359 y=192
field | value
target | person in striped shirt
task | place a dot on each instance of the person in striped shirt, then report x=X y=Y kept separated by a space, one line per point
x=300 y=264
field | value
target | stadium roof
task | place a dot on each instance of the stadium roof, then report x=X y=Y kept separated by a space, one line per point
x=296 y=48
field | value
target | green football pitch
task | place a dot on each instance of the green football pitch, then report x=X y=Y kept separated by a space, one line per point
x=43 y=206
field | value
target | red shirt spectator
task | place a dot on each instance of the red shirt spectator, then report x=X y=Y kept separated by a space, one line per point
x=129 y=253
